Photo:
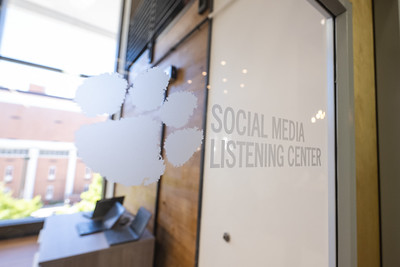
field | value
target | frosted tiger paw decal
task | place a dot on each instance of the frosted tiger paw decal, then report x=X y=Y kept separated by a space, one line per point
x=127 y=151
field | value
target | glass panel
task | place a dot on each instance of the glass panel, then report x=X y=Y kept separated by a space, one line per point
x=27 y=78
x=52 y=173
x=69 y=35
x=8 y=176
x=49 y=192
x=43 y=173
x=88 y=173
x=270 y=141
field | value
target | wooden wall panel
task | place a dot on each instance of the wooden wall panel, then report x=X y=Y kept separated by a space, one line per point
x=179 y=187
x=365 y=130
x=137 y=196
x=177 y=222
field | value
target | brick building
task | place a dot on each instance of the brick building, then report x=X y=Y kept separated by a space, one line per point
x=37 y=151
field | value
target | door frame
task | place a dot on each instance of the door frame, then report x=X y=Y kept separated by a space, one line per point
x=346 y=216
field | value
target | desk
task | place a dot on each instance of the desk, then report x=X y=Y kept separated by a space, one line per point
x=61 y=246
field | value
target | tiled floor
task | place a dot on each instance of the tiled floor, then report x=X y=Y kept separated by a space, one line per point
x=18 y=252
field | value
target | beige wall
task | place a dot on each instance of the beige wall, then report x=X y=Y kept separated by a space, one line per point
x=365 y=130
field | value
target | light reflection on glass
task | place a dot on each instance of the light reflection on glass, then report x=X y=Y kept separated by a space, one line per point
x=204 y=73
x=189 y=81
x=225 y=91
x=242 y=85
x=223 y=62
x=224 y=80
x=319 y=116
x=244 y=71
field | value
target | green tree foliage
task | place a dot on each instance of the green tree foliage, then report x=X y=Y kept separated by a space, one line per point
x=91 y=196
x=88 y=198
x=13 y=208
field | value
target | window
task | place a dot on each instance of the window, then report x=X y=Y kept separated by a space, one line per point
x=6 y=190
x=49 y=192
x=8 y=174
x=88 y=173
x=86 y=187
x=47 y=49
x=54 y=153
x=62 y=34
x=13 y=152
x=52 y=173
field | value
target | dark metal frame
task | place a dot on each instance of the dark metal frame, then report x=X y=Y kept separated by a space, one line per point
x=386 y=55
x=203 y=5
x=121 y=24
x=332 y=6
x=203 y=145
x=39 y=66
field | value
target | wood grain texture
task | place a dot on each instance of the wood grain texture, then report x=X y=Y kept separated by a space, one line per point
x=139 y=196
x=179 y=187
x=177 y=221
x=366 y=140
x=18 y=251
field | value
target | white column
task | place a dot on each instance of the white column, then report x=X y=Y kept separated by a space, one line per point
x=69 y=184
x=31 y=173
